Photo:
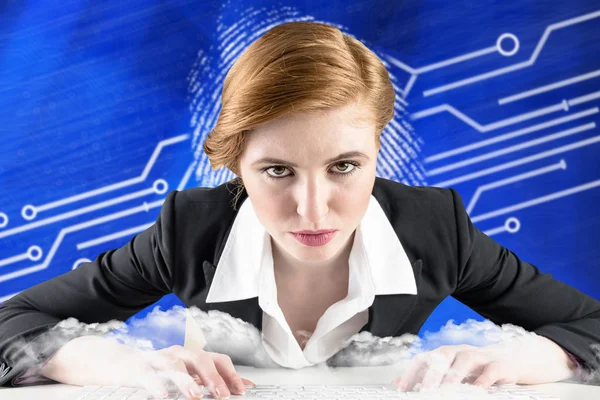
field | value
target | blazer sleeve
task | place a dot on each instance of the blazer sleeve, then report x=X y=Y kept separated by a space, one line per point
x=116 y=285
x=493 y=281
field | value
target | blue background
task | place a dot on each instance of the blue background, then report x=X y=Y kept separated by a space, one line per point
x=101 y=101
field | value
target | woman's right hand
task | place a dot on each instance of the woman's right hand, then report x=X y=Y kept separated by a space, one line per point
x=187 y=370
x=94 y=360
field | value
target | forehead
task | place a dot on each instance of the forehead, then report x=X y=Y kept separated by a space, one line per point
x=323 y=132
x=353 y=114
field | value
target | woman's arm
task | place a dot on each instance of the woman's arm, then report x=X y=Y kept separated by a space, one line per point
x=493 y=281
x=118 y=284
x=93 y=360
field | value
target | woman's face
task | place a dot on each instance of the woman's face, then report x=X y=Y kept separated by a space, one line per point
x=307 y=189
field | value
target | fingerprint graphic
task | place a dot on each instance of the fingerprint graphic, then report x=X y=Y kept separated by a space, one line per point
x=399 y=157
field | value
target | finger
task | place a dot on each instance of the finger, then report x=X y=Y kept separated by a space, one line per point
x=173 y=369
x=184 y=384
x=439 y=362
x=153 y=384
x=413 y=373
x=434 y=374
x=464 y=363
x=226 y=369
x=182 y=353
x=146 y=378
x=248 y=382
x=490 y=374
x=203 y=365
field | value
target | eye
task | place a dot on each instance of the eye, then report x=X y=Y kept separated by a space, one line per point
x=277 y=174
x=348 y=168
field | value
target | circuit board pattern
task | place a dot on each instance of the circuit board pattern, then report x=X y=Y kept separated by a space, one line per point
x=99 y=129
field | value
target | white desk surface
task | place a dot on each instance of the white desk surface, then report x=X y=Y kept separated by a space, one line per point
x=310 y=375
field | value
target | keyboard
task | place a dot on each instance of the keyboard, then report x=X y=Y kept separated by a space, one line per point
x=331 y=392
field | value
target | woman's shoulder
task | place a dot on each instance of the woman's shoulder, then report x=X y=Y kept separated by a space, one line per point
x=425 y=209
x=201 y=210
x=400 y=194
x=223 y=200
x=223 y=193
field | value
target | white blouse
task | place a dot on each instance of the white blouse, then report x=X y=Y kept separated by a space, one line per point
x=378 y=265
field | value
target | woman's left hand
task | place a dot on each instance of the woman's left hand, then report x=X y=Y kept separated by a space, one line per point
x=522 y=360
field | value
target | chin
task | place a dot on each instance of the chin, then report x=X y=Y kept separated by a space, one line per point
x=312 y=257
x=308 y=253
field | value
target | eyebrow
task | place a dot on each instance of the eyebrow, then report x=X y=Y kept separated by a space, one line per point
x=348 y=154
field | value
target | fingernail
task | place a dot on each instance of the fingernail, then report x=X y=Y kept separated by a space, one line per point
x=241 y=388
x=196 y=393
x=219 y=394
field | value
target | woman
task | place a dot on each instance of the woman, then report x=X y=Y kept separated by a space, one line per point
x=312 y=241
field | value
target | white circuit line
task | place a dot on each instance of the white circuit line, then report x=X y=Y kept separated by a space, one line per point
x=112 y=236
x=74 y=228
x=511 y=149
x=409 y=85
x=495 y=231
x=417 y=71
x=441 y=64
x=511 y=225
x=118 y=185
x=186 y=176
x=562 y=106
x=548 y=88
x=517 y=178
x=537 y=201
x=521 y=161
x=398 y=91
x=79 y=211
x=511 y=135
x=14 y=259
x=585 y=98
x=80 y=261
x=518 y=66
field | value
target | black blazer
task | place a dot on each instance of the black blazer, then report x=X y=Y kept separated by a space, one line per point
x=178 y=254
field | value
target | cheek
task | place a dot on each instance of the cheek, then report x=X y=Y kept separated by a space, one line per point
x=356 y=201
x=270 y=209
x=356 y=207
x=356 y=191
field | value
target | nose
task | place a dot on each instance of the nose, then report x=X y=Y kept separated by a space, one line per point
x=312 y=200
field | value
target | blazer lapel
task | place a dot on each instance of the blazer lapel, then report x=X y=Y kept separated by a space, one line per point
x=388 y=312
x=246 y=309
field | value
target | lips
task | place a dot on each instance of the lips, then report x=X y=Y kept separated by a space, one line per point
x=314 y=240
x=319 y=232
